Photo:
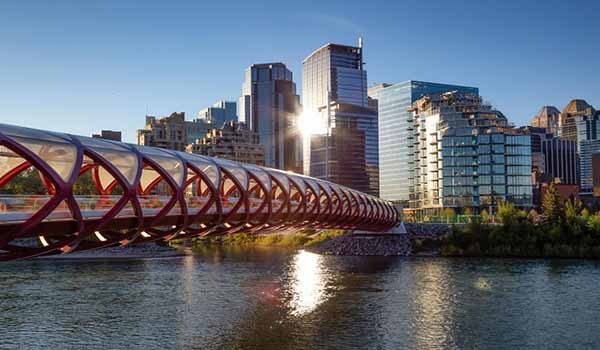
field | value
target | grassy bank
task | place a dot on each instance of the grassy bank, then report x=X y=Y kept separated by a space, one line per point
x=292 y=240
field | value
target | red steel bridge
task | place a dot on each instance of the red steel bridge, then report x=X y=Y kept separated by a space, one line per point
x=60 y=193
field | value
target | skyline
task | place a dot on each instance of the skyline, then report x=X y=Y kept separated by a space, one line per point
x=113 y=63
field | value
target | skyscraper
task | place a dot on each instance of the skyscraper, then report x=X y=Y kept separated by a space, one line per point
x=270 y=106
x=334 y=87
x=395 y=133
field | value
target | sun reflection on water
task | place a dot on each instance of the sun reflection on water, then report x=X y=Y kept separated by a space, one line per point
x=308 y=283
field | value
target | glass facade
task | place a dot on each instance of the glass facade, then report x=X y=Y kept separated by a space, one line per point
x=334 y=88
x=587 y=148
x=219 y=113
x=396 y=138
x=466 y=155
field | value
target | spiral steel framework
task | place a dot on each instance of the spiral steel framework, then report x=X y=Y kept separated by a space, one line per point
x=141 y=194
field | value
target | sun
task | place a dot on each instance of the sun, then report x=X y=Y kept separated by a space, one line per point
x=309 y=123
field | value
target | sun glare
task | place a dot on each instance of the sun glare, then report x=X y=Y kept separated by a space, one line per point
x=308 y=123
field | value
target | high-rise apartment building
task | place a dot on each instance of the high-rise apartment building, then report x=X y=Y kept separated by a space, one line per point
x=219 y=113
x=465 y=155
x=334 y=95
x=395 y=133
x=270 y=107
x=233 y=141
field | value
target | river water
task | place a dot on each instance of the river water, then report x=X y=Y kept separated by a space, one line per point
x=271 y=299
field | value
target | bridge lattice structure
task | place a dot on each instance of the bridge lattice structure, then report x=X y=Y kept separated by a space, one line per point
x=60 y=193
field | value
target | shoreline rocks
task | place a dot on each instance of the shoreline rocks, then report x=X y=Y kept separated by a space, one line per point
x=365 y=245
x=372 y=244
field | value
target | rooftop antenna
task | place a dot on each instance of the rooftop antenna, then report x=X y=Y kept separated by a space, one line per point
x=360 y=42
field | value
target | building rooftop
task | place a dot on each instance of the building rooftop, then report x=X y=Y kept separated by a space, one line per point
x=576 y=106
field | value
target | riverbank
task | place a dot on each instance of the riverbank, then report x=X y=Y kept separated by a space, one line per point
x=518 y=238
x=287 y=239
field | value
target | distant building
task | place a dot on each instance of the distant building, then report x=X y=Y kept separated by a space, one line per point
x=538 y=160
x=579 y=122
x=396 y=126
x=270 y=106
x=560 y=161
x=466 y=155
x=586 y=151
x=334 y=95
x=167 y=132
x=547 y=118
x=234 y=141
x=219 y=113
x=197 y=129
x=596 y=174
x=108 y=135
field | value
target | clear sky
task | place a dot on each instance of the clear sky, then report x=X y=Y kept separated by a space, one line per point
x=81 y=66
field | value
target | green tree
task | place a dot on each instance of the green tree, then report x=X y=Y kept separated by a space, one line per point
x=449 y=213
x=585 y=213
x=573 y=222
x=551 y=205
x=533 y=216
x=593 y=223
x=485 y=216
x=27 y=182
x=507 y=213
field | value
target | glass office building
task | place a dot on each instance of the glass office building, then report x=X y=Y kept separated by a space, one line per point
x=334 y=96
x=395 y=133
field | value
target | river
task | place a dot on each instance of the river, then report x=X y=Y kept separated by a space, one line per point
x=236 y=298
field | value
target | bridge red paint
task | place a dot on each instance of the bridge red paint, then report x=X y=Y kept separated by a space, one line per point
x=98 y=193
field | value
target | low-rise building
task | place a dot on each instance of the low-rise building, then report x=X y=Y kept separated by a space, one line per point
x=234 y=141
x=167 y=132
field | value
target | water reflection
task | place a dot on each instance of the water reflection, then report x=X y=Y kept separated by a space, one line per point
x=307 y=283
x=434 y=307
x=267 y=299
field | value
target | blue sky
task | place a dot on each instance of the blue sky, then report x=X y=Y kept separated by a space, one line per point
x=82 y=66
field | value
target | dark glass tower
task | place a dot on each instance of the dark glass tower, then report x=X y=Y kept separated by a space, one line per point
x=270 y=106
